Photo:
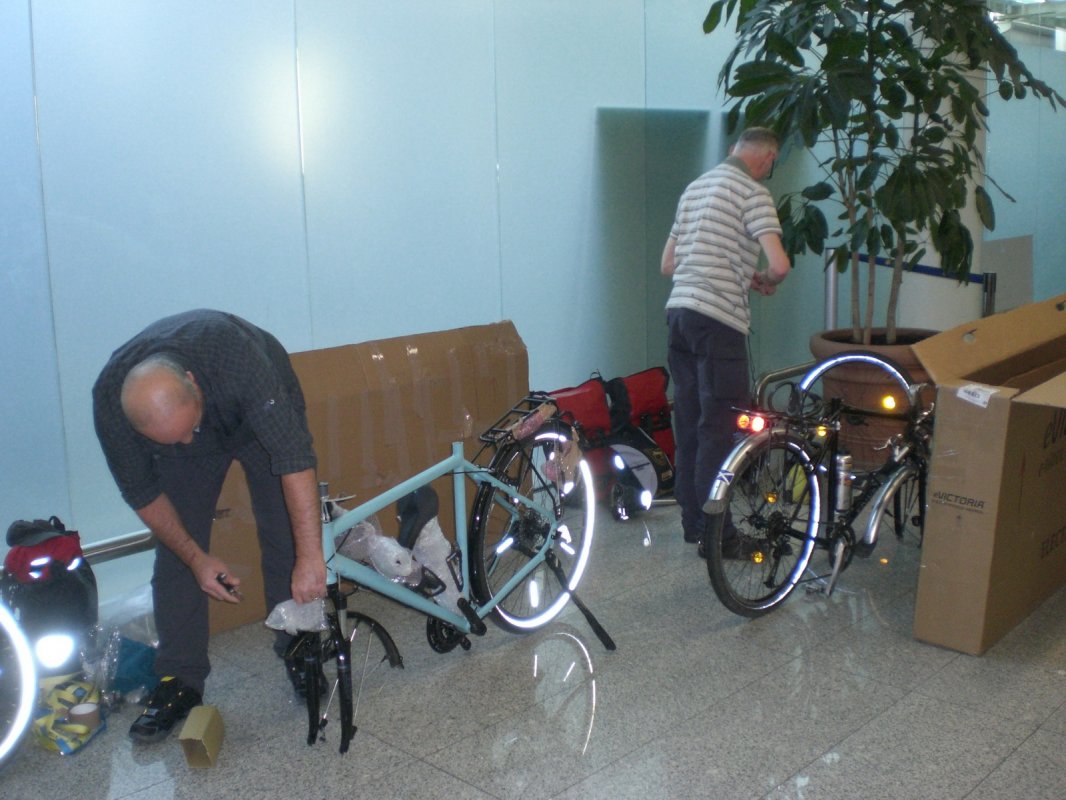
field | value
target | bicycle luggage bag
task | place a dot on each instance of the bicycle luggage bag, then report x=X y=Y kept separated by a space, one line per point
x=640 y=399
x=586 y=406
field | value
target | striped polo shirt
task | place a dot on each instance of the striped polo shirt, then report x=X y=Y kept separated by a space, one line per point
x=720 y=217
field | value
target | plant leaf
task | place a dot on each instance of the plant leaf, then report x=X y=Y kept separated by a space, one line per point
x=818 y=191
x=985 y=210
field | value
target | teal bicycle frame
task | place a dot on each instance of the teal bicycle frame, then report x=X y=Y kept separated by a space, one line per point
x=461 y=470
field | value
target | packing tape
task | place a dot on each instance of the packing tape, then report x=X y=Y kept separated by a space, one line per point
x=87 y=714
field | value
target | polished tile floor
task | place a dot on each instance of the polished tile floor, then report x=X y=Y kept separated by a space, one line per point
x=825 y=698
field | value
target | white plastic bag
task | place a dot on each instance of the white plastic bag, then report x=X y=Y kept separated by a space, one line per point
x=293 y=617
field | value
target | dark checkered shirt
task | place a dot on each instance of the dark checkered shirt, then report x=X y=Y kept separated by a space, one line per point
x=250 y=393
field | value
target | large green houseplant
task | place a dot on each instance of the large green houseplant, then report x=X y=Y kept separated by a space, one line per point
x=889 y=97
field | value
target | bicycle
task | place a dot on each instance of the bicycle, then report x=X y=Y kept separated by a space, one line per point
x=18 y=684
x=520 y=560
x=787 y=489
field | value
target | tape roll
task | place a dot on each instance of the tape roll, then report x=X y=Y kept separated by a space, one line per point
x=87 y=714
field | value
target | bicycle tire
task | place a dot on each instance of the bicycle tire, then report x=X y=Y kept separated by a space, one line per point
x=774 y=505
x=18 y=687
x=899 y=375
x=506 y=535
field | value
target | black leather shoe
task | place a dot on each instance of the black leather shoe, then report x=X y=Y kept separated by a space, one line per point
x=170 y=702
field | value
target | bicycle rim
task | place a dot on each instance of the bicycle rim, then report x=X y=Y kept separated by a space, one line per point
x=774 y=506
x=18 y=686
x=508 y=535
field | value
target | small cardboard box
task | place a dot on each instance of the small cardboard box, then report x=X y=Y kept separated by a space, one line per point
x=995 y=528
x=201 y=737
x=380 y=412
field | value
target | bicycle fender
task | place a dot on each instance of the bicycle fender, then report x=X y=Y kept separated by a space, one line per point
x=716 y=500
x=865 y=546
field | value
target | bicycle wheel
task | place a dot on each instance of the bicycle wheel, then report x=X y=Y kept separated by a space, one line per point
x=18 y=685
x=898 y=508
x=758 y=549
x=506 y=535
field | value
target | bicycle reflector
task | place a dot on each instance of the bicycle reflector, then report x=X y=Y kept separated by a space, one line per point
x=752 y=423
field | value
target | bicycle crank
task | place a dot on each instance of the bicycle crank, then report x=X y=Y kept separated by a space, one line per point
x=443 y=637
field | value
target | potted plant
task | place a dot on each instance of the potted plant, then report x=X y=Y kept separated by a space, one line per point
x=889 y=97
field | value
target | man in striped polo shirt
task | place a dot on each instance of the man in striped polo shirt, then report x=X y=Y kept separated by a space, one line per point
x=723 y=220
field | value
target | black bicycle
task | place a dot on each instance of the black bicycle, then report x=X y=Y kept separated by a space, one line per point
x=788 y=488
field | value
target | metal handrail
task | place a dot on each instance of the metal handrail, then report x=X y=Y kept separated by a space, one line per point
x=119 y=546
x=763 y=385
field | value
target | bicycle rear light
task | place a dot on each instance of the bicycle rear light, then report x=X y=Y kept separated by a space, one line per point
x=753 y=423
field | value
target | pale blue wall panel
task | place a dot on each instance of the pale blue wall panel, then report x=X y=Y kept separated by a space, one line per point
x=398 y=120
x=32 y=460
x=683 y=61
x=1025 y=144
x=573 y=296
x=170 y=164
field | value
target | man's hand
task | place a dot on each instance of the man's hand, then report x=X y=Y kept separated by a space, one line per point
x=164 y=522
x=207 y=568
x=308 y=579
x=762 y=285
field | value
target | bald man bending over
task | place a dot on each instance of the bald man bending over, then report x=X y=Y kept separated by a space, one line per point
x=173 y=408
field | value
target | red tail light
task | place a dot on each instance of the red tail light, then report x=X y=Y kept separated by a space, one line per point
x=752 y=423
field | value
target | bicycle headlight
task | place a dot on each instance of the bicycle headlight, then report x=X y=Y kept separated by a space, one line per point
x=53 y=650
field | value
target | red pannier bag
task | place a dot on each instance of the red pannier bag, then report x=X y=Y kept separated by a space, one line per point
x=640 y=399
x=586 y=406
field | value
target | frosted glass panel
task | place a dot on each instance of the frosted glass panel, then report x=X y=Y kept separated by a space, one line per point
x=565 y=286
x=32 y=459
x=1024 y=144
x=170 y=162
x=398 y=124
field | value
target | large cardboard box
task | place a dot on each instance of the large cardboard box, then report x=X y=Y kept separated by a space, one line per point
x=995 y=533
x=380 y=412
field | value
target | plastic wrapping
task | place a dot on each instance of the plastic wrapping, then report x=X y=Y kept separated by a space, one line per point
x=293 y=617
x=432 y=551
x=365 y=542
x=132 y=613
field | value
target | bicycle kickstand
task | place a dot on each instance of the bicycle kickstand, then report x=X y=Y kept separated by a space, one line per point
x=838 y=561
x=552 y=561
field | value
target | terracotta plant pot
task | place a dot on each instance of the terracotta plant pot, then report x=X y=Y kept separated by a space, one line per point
x=864 y=386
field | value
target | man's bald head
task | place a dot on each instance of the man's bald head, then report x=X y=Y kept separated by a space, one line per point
x=161 y=400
